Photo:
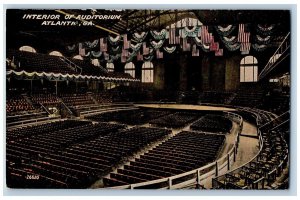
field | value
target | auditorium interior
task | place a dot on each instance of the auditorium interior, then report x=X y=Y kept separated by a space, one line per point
x=153 y=99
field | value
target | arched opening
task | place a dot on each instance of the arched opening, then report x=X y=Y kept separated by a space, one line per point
x=28 y=49
x=147 y=72
x=110 y=67
x=248 y=69
x=55 y=53
x=130 y=69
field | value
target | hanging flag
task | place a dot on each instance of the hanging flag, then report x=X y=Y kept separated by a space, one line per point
x=146 y=49
x=81 y=49
x=159 y=54
x=103 y=44
x=185 y=45
x=126 y=43
x=244 y=34
x=245 y=47
x=195 y=51
x=219 y=52
x=205 y=35
x=214 y=46
x=172 y=36
x=139 y=56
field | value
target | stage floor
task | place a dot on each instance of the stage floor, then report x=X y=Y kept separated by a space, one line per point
x=185 y=107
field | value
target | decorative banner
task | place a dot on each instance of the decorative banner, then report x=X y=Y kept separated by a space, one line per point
x=103 y=44
x=186 y=32
x=88 y=54
x=219 y=52
x=116 y=49
x=265 y=29
x=139 y=37
x=170 y=49
x=195 y=51
x=92 y=44
x=96 y=54
x=148 y=58
x=229 y=40
x=159 y=35
x=71 y=48
x=114 y=41
x=225 y=31
x=135 y=47
x=258 y=47
x=126 y=43
x=157 y=45
x=81 y=49
x=262 y=40
x=63 y=77
x=233 y=47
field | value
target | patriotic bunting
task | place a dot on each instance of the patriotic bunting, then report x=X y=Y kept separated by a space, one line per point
x=219 y=52
x=159 y=54
x=195 y=51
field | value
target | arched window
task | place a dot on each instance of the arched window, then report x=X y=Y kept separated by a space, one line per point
x=78 y=57
x=147 y=72
x=248 y=69
x=110 y=67
x=130 y=69
x=55 y=53
x=28 y=49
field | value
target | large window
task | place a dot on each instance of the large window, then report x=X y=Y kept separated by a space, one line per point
x=130 y=69
x=147 y=72
x=248 y=69
x=110 y=67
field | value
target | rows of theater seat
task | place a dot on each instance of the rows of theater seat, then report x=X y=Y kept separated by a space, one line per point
x=16 y=104
x=175 y=120
x=36 y=62
x=212 y=123
x=257 y=174
x=184 y=152
x=54 y=155
x=132 y=117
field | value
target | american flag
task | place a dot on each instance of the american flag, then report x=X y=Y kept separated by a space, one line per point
x=159 y=54
x=103 y=44
x=214 y=46
x=139 y=56
x=172 y=36
x=124 y=52
x=245 y=47
x=146 y=49
x=195 y=51
x=219 y=52
x=205 y=36
x=81 y=49
x=126 y=43
x=243 y=36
